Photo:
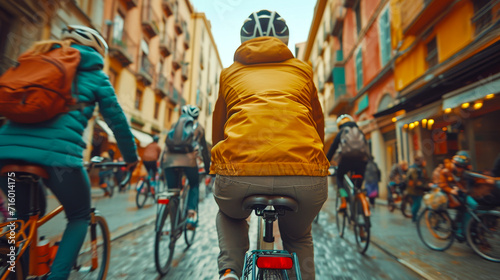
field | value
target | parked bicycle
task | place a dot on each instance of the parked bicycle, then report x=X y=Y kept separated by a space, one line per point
x=398 y=198
x=147 y=188
x=438 y=230
x=171 y=223
x=357 y=212
x=93 y=259
x=266 y=262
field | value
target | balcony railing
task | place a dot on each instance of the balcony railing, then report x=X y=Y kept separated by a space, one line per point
x=483 y=16
x=121 y=48
x=166 y=47
x=177 y=60
x=149 y=25
x=173 y=94
x=416 y=14
x=178 y=26
x=161 y=85
x=186 y=40
x=146 y=71
x=337 y=23
x=184 y=71
x=131 y=3
x=168 y=7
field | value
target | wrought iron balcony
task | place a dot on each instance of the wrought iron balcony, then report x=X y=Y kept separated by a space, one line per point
x=173 y=94
x=166 y=47
x=161 y=86
x=149 y=25
x=337 y=23
x=131 y=3
x=178 y=26
x=120 y=49
x=184 y=71
x=186 y=40
x=146 y=71
x=168 y=7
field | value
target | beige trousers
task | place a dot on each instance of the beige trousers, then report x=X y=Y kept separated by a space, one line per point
x=295 y=228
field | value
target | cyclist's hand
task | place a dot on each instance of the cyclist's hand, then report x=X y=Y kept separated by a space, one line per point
x=454 y=191
x=131 y=166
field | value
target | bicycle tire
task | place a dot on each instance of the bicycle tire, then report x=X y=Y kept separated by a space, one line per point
x=478 y=235
x=435 y=229
x=271 y=274
x=190 y=233
x=164 y=242
x=406 y=204
x=361 y=222
x=83 y=265
x=142 y=194
x=4 y=266
x=340 y=216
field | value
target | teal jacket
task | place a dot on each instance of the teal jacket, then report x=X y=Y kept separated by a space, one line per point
x=59 y=142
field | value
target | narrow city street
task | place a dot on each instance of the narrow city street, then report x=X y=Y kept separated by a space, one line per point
x=396 y=251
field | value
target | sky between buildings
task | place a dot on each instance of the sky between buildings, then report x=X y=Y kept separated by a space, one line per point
x=227 y=16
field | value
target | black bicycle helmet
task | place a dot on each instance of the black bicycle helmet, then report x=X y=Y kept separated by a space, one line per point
x=264 y=23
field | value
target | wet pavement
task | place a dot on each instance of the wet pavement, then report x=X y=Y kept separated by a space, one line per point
x=396 y=251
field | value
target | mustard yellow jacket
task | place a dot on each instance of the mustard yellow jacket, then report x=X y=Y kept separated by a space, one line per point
x=267 y=120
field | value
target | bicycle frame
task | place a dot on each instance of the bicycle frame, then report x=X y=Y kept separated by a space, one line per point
x=31 y=239
x=358 y=194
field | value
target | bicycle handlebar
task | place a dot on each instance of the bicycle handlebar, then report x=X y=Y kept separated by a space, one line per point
x=96 y=162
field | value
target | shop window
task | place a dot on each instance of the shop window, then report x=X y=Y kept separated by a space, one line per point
x=432 y=53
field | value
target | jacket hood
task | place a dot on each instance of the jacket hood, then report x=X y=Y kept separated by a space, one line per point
x=90 y=58
x=262 y=50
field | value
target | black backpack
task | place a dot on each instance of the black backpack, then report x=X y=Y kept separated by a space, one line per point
x=353 y=144
x=180 y=139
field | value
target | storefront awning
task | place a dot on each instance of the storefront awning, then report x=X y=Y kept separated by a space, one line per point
x=471 y=93
x=105 y=127
x=144 y=138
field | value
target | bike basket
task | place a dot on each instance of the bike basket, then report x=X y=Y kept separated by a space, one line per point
x=436 y=200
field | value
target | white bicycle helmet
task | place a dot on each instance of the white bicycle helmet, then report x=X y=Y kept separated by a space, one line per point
x=264 y=23
x=342 y=119
x=191 y=110
x=86 y=36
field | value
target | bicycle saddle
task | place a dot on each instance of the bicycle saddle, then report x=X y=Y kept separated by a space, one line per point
x=262 y=201
x=34 y=169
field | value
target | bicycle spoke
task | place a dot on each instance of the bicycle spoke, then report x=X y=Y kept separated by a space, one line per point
x=484 y=235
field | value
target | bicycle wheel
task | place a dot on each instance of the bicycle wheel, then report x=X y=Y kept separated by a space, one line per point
x=271 y=274
x=483 y=235
x=340 y=216
x=406 y=203
x=435 y=229
x=4 y=265
x=83 y=266
x=164 y=241
x=189 y=233
x=142 y=193
x=361 y=227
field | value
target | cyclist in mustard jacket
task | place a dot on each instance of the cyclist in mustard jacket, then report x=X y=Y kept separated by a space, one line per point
x=268 y=131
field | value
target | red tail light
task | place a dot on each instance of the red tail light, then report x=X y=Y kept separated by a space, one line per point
x=357 y=176
x=274 y=262
x=163 y=200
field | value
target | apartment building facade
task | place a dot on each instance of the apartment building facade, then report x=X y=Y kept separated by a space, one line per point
x=349 y=46
x=203 y=85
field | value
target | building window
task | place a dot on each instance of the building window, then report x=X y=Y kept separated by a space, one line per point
x=359 y=69
x=432 y=53
x=157 y=106
x=357 y=10
x=138 y=99
x=385 y=37
x=118 y=28
x=482 y=14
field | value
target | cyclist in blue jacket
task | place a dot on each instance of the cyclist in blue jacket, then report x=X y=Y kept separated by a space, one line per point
x=57 y=144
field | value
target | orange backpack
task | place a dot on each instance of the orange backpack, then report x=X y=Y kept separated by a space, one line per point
x=40 y=86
